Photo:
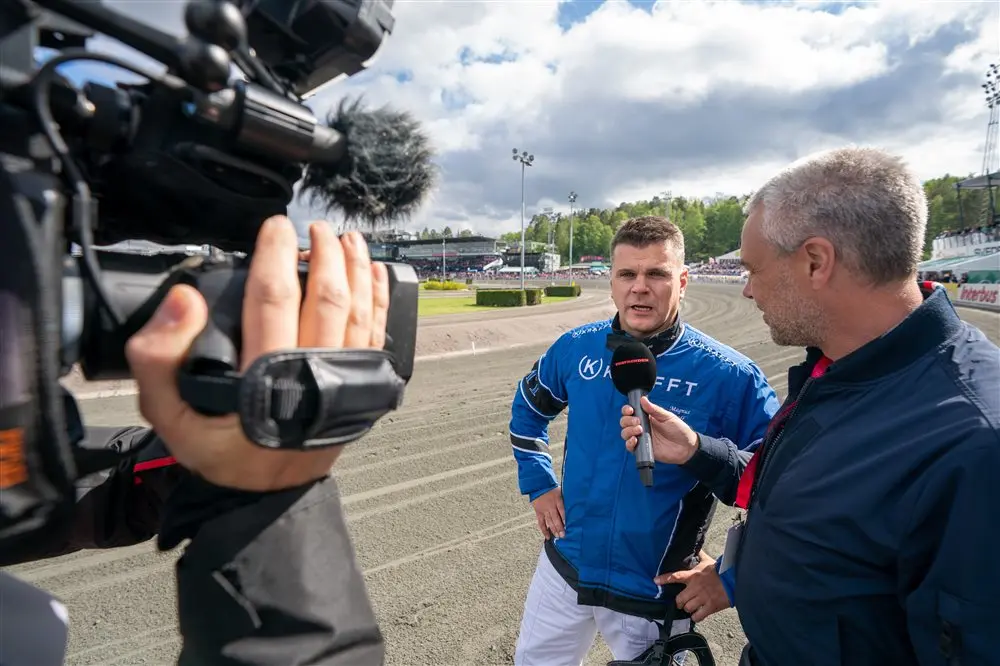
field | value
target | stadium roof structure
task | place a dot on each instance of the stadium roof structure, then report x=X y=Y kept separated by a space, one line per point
x=979 y=182
x=966 y=263
x=437 y=241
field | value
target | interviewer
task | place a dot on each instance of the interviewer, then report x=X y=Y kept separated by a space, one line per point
x=269 y=576
x=869 y=537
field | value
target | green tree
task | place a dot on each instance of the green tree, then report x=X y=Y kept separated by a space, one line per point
x=712 y=226
x=723 y=224
x=947 y=211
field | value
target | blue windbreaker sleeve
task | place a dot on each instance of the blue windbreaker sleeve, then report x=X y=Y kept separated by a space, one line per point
x=719 y=462
x=728 y=581
x=947 y=564
x=539 y=398
x=758 y=406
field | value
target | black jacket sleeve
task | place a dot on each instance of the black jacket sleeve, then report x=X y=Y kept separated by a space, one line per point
x=719 y=465
x=120 y=505
x=268 y=579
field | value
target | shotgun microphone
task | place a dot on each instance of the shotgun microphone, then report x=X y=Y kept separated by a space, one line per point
x=633 y=371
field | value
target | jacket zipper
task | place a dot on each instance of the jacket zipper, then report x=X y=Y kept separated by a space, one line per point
x=766 y=454
x=765 y=457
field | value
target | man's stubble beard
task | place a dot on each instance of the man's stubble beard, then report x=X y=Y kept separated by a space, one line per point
x=796 y=322
x=793 y=336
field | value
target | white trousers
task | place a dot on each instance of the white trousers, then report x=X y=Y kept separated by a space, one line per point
x=556 y=631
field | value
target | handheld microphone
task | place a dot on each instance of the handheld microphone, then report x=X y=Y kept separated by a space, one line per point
x=633 y=371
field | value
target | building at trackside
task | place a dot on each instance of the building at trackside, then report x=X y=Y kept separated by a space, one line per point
x=463 y=256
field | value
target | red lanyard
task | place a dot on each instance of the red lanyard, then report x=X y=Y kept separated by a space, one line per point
x=749 y=476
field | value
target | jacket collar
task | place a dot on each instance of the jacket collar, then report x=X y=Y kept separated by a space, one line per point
x=657 y=344
x=926 y=328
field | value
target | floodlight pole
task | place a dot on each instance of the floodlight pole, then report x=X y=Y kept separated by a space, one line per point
x=526 y=160
x=572 y=200
x=992 y=89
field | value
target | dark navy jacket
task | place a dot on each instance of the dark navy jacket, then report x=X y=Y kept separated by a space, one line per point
x=872 y=537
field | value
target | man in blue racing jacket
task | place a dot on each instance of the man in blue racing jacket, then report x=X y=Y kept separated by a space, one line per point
x=606 y=535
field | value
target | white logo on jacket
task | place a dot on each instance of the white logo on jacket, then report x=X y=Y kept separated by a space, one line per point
x=591 y=368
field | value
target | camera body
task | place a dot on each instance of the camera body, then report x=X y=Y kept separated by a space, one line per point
x=194 y=156
x=205 y=157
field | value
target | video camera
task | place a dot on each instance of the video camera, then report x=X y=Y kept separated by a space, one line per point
x=194 y=156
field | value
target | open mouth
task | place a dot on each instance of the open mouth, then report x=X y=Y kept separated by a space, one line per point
x=641 y=309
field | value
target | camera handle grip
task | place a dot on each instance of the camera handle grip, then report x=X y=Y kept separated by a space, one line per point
x=222 y=283
x=301 y=398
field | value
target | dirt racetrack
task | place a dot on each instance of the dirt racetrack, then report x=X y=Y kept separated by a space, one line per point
x=447 y=544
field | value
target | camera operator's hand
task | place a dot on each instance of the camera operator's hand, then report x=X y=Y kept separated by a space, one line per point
x=346 y=305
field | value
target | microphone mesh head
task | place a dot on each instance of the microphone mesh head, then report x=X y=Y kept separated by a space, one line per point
x=633 y=366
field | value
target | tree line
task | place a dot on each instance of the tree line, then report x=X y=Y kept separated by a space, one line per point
x=712 y=226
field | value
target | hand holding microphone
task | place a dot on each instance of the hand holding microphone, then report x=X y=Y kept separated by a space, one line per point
x=652 y=432
x=673 y=442
x=633 y=371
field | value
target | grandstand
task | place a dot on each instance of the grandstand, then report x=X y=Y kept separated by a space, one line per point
x=454 y=257
x=725 y=267
x=973 y=252
x=537 y=256
x=464 y=256
x=960 y=256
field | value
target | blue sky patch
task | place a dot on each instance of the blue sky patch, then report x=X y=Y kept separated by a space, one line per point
x=573 y=12
x=455 y=99
x=467 y=57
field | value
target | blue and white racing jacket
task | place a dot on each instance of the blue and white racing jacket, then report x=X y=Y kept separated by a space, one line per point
x=619 y=533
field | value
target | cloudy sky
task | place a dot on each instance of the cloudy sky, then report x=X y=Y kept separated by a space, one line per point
x=621 y=101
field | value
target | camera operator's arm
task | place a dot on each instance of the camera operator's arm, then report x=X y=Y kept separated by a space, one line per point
x=118 y=506
x=269 y=576
x=123 y=506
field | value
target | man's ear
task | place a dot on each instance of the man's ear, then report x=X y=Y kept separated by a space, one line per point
x=820 y=258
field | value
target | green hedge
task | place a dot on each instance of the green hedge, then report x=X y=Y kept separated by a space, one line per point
x=509 y=298
x=503 y=298
x=563 y=290
x=437 y=285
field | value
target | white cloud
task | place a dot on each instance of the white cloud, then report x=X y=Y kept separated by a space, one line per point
x=692 y=97
x=589 y=101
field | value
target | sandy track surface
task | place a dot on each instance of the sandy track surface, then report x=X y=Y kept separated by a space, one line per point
x=447 y=544
x=448 y=334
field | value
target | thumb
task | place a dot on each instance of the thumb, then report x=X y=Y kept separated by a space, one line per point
x=655 y=412
x=157 y=350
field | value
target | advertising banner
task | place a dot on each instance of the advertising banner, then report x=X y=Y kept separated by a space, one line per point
x=983 y=295
x=988 y=277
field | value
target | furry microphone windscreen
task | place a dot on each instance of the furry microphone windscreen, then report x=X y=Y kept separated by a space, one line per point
x=386 y=169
